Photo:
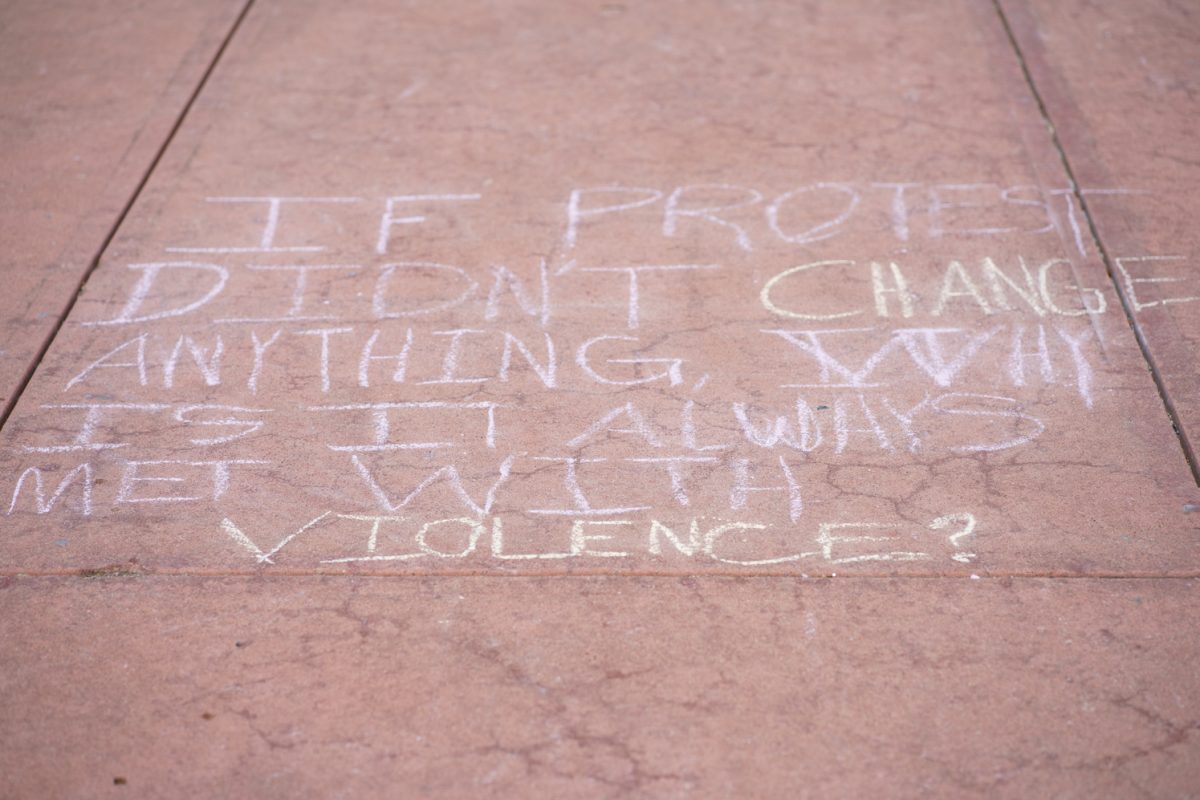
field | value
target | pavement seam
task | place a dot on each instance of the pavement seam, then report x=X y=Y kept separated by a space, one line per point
x=36 y=362
x=128 y=572
x=1185 y=444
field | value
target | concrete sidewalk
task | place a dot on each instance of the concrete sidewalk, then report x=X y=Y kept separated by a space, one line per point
x=595 y=400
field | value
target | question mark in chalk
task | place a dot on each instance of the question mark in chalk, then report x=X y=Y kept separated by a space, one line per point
x=968 y=523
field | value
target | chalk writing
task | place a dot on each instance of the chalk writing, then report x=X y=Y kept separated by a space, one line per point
x=695 y=373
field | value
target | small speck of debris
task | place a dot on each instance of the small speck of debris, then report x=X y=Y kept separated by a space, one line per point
x=975 y=577
x=112 y=571
x=206 y=715
x=240 y=644
x=119 y=781
x=822 y=408
x=61 y=542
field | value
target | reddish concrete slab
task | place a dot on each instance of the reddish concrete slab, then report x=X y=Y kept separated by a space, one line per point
x=1120 y=83
x=672 y=288
x=481 y=687
x=91 y=91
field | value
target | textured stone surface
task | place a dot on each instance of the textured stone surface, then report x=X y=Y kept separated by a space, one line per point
x=370 y=314
x=1121 y=82
x=598 y=687
x=982 y=407
x=91 y=91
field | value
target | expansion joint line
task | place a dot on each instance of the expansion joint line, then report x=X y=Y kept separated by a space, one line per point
x=1189 y=453
x=8 y=408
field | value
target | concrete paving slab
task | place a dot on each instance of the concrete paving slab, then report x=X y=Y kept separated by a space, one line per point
x=91 y=92
x=573 y=289
x=608 y=295
x=1120 y=83
x=598 y=687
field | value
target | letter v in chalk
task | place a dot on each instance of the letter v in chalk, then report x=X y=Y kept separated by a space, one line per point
x=235 y=533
